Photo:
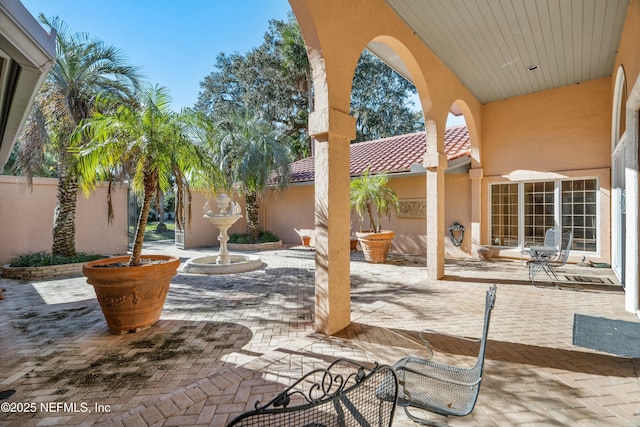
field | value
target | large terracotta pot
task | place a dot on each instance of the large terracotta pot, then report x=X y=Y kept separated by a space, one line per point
x=131 y=298
x=375 y=246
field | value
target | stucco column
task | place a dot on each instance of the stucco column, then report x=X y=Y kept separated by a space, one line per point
x=435 y=164
x=332 y=131
x=475 y=175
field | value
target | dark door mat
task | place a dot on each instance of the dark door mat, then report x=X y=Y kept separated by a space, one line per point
x=612 y=336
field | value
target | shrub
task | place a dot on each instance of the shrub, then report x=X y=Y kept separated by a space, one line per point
x=42 y=259
x=244 y=238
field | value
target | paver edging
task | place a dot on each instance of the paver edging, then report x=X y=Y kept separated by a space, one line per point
x=42 y=273
x=268 y=246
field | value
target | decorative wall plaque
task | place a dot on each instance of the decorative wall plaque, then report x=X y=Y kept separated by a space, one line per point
x=413 y=208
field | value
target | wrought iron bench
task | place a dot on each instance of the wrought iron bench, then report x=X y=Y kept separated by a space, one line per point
x=344 y=394
x=439 y=388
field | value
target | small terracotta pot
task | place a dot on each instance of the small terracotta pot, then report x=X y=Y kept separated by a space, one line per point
x=131 y=298
x=375 y=246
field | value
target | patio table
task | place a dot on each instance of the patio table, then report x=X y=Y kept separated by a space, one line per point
x=540 y=257
x=543 y=251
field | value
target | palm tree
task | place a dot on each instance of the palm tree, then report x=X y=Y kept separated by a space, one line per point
x=149 y=136
x=85 y=68
x=369 y=191
x=249 y=157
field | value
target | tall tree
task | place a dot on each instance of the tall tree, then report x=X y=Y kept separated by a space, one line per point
x=275 y=79
x=380 y=100
x=85 y=67
x=263 y=80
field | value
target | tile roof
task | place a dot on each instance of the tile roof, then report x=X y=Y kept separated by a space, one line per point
x=393 y=155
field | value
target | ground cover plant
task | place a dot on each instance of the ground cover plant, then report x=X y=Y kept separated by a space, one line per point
x=43 y=259
x=265 y=236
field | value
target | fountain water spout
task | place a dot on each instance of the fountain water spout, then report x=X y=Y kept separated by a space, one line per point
x=224 y=262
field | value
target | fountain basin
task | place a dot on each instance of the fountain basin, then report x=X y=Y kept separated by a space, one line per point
x=209 y=265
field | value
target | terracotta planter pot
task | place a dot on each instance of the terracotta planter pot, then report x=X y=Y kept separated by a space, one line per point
x=375 y=246
x=131 y=298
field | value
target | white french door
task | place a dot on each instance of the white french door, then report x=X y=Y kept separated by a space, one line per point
x=618 y=208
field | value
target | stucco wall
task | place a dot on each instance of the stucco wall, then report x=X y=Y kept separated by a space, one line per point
x=27 y=218
x=457 y=189
x=294 y=208
x=289 y=209
x=628 y=52
x=564 y=132
x=560 y=129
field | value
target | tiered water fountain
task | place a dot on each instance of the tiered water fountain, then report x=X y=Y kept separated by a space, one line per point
x=224 y=262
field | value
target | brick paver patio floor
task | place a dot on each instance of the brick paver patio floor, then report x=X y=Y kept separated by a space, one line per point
x=224 y=342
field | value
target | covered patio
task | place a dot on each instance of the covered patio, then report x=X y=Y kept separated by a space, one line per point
x=224 y=342
x=549 y=93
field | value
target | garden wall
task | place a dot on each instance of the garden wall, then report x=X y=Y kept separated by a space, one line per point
x=27 y=218
x=294 y=208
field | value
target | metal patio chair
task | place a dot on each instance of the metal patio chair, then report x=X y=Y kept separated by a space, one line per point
x=542 y=261
x=443 y=389
x=347 y=394
x=551 y=244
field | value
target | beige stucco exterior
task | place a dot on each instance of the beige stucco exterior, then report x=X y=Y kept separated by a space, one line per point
x=556 y=134
x=335 y=33
x=27 y=218
x=561 y=129
x=292 y=209
x=560 y=133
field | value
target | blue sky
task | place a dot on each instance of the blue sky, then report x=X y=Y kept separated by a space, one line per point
x=175 y=42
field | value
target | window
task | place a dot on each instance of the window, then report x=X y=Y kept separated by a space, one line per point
x=579 y=213
x=504 y=217
x=570 y=204
x=538 y=210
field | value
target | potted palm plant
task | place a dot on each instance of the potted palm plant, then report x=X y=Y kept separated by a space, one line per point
x=369 y=192
x=146 y=136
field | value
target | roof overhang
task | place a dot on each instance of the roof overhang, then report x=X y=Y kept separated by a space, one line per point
x=27 y=53
x=505 y=48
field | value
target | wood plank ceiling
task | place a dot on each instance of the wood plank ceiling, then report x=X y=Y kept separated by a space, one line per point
x=504 y=48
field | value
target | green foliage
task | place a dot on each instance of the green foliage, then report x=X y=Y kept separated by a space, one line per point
x=380 y=101
x=43 y=166
x=85 y=67
x=148 y=137
x=245 y=238
x=275 y=79
x=246 y=155
x=262 y=80
x=253 y=155
x=43 y=259
x=372 y=191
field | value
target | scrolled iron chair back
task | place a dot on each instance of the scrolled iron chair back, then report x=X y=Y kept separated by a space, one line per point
x=347 y=394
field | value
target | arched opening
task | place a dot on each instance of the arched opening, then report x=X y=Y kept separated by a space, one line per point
x=458 y=190
x=390 y=140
